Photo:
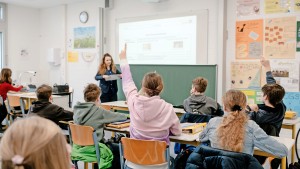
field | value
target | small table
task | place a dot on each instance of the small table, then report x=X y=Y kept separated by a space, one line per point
x=292 y=125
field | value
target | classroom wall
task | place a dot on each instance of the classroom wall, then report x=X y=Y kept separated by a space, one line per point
x=231 y=22
x=42 y=25
x=23 y=34
x=131 y=9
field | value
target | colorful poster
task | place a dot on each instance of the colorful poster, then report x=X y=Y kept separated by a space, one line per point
x=297 y=5
x=277 y=6
x=298 y=36
x=253 y=96
x=72 y=56
x=84 y=37
x=245 y=75
x=248 y=7
x=280 y=35
x=249 y=39
x=286 y=73
x=292 y=101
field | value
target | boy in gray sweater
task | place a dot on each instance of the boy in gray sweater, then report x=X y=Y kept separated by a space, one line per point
x=198 y=103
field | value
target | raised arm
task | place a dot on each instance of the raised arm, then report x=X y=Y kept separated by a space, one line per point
x=129 y=88
x=269 y=77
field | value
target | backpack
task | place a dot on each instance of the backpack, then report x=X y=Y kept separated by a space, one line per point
x=181 y=158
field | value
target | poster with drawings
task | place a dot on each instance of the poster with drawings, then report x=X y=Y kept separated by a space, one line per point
x=286 y=73
x=297 y=5
x=280 y=38
x=245 y=75
x=249 y=39
x=247 y=7
x=292 y=101
x=277 y=6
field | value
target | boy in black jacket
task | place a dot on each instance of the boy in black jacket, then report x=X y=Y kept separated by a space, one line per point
x=44 y=108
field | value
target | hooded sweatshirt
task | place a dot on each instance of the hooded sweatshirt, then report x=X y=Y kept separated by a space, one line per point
x=89 y=114
x=51 y=111
x=200 y=104
x=151 y=118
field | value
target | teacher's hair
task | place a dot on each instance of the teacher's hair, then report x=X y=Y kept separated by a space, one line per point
x=102 y=67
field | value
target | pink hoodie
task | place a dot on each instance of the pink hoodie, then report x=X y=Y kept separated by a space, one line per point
x=151 y=118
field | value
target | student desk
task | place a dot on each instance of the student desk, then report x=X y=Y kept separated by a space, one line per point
x=29 y=97
x=121 y=105
x=183 y=138
x=289 y=143
x=292 y=125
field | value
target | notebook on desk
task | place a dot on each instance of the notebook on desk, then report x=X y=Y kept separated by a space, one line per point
x=120 y=124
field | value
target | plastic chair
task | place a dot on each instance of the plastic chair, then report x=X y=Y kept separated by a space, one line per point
x=144 y=152
x=84 y=136
x=12 y=103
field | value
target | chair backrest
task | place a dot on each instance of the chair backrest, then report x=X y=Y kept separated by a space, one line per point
x=1 y=101
x=13 y=101
x=82 y=135
x=195 y=118
x=144 y=152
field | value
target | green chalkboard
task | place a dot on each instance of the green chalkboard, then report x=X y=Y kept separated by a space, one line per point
x=177 y=80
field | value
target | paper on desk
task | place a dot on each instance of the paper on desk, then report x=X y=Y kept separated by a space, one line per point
x=112 y=77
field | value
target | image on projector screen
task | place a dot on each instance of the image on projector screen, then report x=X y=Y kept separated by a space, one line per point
x=160 y=41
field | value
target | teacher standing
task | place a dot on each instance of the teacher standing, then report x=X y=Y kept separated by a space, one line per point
x=109 y=87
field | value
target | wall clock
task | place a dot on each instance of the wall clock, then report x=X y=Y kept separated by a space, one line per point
x=83 y=17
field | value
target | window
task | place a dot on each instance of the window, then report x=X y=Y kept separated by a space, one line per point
x=3 y=28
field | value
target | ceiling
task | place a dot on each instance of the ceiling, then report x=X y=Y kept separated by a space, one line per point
x=40 y=3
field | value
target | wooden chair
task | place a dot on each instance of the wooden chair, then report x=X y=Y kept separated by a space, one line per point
x=84 y=136
x=144 y=152
x=12 y=103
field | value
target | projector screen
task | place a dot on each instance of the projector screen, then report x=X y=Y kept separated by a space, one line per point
x=172 y=40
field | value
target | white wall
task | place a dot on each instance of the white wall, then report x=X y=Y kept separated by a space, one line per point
x=23 y=33
x=52 y=35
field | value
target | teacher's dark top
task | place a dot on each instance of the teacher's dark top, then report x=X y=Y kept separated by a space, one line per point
x=108 y=88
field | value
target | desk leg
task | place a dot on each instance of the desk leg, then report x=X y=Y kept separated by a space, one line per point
x=293 y=148
x=283 y=163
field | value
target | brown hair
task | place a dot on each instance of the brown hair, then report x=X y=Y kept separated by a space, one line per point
x=231 y=131
x=102 y=67
x=43 y=92
x=6 y=75
x=152 y=84
x=91 y=93
x=200 y=84
x=274 y=92
x=38 y=141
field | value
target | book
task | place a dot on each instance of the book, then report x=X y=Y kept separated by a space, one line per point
x=119 y=125
x=192 y=128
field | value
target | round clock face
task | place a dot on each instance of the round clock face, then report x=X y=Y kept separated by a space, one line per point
x=83 y=17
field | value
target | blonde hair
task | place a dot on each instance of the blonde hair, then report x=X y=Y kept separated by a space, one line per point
x=231 y=131
x=38 y=142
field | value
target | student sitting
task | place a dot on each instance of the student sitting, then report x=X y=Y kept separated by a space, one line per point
x=91 y=114
x=269 y=115
x=44 y=108
x=234 y=132
x=199 y=103
x=272 y=110
x=151 y=118
x=34 y=142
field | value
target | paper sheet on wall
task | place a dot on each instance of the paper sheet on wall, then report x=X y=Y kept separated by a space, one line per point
x=72 y=56
x=277 y=6
x=253 y=96
x=245 y=75
x=286 y=73
x=292 y=101
x=248 y=7
x=249 y=39
x=298 y=36
x=280 y=35
x=297 y=5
